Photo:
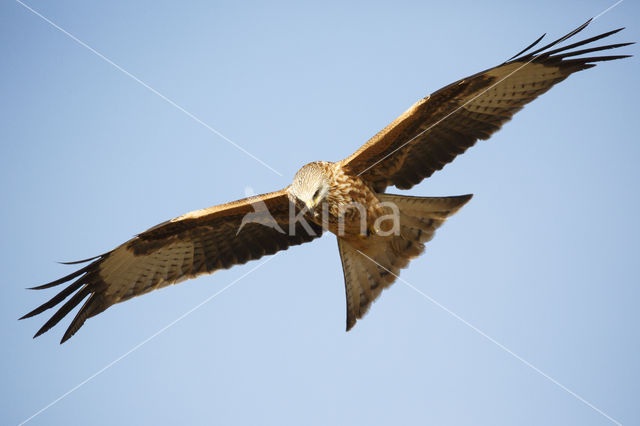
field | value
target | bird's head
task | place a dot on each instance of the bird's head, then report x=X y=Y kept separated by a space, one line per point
x=310 y=186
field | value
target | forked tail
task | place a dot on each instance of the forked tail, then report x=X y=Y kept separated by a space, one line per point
x=373 y=264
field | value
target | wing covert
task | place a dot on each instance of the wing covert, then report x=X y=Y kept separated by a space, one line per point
x=446 y=123
x=200 y=242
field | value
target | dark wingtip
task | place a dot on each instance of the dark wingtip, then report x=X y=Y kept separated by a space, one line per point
x=527 y=48
x=61 y=280
x=607 y=58
x=80 y=261
x=25 y=316
x=54 y=301
x=560 y=40
x=86 y=283
x=41 y=331
x=40 y=287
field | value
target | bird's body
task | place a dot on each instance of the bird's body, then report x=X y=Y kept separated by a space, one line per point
x=350 y=208
x=377 y=233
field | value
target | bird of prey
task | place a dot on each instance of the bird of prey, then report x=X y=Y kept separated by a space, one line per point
x=377 y=233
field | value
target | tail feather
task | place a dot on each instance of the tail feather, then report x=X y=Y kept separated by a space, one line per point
x=371 y=265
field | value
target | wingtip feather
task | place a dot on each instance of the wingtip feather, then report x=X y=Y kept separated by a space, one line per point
x=75 y=262
x=25 y=316
x=41 y=331
x=527 y=48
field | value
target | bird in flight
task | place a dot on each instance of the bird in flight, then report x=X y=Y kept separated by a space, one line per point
x=378 y=233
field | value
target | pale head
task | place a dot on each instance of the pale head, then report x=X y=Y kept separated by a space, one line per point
x=311 y=185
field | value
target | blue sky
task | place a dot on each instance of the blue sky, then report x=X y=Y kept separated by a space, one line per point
x=543 y=259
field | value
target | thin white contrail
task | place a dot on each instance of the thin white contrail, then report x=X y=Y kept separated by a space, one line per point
x=607 y=9
x=144 y=342
x=128 y=74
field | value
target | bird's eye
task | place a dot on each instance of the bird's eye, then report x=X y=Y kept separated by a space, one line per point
x=316 y=194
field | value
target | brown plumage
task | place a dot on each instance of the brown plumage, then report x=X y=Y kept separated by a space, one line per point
x=346 y=197
x=196 y=243
x=443 y=125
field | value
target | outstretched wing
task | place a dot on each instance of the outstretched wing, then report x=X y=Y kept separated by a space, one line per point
x=196 y=243
x=439 y=127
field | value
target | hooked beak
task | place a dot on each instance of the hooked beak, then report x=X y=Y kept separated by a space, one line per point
x=311 y=205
